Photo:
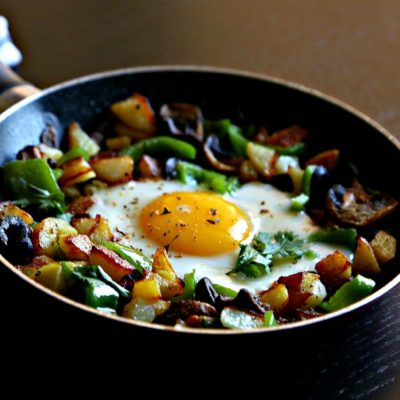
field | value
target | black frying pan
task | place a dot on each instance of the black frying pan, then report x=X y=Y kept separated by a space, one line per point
x=245 y=98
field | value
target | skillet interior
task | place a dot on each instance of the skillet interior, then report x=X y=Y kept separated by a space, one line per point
x=244 y=98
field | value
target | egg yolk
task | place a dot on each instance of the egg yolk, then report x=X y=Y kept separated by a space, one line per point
x=197 y=223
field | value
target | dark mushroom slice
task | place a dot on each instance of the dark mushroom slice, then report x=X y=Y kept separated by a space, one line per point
x=29 y=152
x=357 y=206
x=183 y=119
x=181 y=310
x=212 y=148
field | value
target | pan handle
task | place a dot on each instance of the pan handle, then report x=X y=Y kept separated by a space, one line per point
x=13 y=88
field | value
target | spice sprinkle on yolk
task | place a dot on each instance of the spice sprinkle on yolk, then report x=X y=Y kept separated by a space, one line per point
x=197 y=223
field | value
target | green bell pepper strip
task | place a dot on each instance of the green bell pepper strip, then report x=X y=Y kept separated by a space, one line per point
x=189 y=281
x=33 y=182
x=134 y=257
x=223 y=128
x=72 y=154
x=349 y=293
x=308 y=173
x=224 y=291
x=269 y=319
x=160 y=145
x=299 y=202
x=295 y=150
x=191 y=173
x=344 y=236
x=101 y=292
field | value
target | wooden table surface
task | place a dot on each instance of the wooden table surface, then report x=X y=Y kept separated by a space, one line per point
x=350 y=50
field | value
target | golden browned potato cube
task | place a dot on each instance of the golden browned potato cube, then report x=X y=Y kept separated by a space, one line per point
x=365 y=262
x=136 y=113
x=9 y=209
x=113 y=170
x=149 y=167
x=111 y=262
x=169 y=282
x=76 y=171
x=118 y=143
x=334 y=269
x=277 y=296
x=76 y=247
x=45 y=236
x=262 y=158
x=384 y=246
x=80 y=205
x=96 y=228
x=144 y=310
x=77 y=137
x=147 y=289
x=305 y=290
x=52 y=276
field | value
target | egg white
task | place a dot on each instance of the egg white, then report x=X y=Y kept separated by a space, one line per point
x=268 y=210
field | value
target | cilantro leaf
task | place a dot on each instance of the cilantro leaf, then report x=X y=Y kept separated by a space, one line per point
x=255 y=259
x=251 y=263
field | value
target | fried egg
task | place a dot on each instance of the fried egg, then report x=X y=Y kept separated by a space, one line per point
x=203 y=230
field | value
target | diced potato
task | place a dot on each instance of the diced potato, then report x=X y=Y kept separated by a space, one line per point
x=9 y=209
x=262 y=158
x=140 y=309
x=118 y=143
x=77 y=137
x=365 y=262
x=297 y=178
x=52 y=276
x=147 y=289
x=134 y=135
x=384 y=246
x=96 y=228
x=111 y=262
x=136 y=112
x=170 y=284
x=51 y=153
x=36 y=263
x=76 y=171
x=334 y=269
x=76 y=247
x=149 y=167
x=113 y=170
x=277 y=296
x=45 y=236
x=328 y=159
x=305 y=290
x=247 y=172
x=80 y=205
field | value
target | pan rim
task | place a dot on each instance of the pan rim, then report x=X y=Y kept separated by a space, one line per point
x=223 y=71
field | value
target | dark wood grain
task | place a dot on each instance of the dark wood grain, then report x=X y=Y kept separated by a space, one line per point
x=347 y=49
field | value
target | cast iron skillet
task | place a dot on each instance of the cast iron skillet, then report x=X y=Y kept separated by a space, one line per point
x=244 y=97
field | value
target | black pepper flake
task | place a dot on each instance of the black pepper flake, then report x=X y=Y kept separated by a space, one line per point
x=121 y=232
x=213 y=221
x=264 y=211
x=263 y=203
x=213 y=211
x=165 y=211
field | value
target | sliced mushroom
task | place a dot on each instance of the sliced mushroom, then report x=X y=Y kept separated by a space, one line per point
x=228 y=162
x=357 y=206
x=183 y=119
